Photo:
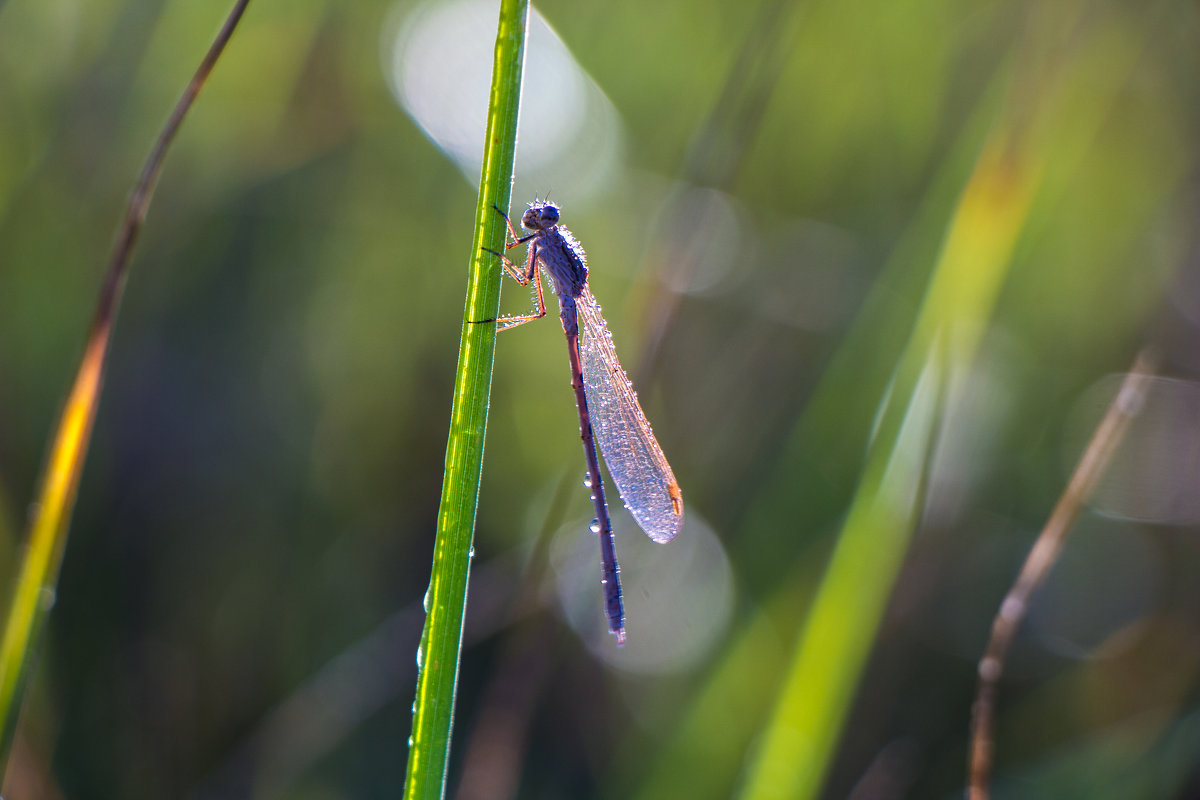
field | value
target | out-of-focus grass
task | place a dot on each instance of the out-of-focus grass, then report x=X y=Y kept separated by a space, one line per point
x=1004 y=188
x=836 y=638
x=35 y=587
x=988 y=221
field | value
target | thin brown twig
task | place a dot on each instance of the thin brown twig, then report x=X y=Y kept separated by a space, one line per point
x=143 y=190
x=1042 y=557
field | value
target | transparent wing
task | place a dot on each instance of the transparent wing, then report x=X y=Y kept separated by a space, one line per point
x=634 y=459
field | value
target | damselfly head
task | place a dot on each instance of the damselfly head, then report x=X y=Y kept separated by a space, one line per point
x=540 y=217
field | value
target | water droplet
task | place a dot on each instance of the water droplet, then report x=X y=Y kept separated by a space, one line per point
x=587 y=479
x=595 y=526
x=421 y=657
x=471 y=552
x=425 y=602
x=410 y=741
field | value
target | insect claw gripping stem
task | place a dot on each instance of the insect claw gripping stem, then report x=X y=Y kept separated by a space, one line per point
x=523 y=278
x=507 y=322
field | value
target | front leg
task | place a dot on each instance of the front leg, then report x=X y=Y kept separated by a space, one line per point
x=517 y=241
x=516 y=238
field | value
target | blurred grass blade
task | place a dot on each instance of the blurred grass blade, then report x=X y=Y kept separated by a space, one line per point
x=446 y=599
x=833 y=645
x=835 y=425
x=50 y=514
x=1051 y=135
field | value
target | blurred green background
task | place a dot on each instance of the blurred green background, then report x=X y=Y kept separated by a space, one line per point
x=763 y=189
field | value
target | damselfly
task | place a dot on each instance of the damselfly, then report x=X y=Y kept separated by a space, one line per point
x=607 y=404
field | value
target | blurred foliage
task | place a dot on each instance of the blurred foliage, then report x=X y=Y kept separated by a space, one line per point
x=240 y=603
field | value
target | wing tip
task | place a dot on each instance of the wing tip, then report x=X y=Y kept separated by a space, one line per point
x=669 y=533
x=665 y=536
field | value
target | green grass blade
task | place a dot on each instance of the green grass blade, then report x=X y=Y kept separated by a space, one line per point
x=438 y=657
x=50 y=515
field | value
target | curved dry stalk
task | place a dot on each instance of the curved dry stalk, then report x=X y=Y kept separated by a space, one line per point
x=34 y=592
x=1092 y=464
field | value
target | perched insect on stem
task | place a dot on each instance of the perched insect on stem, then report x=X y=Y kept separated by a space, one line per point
x=608 y=406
